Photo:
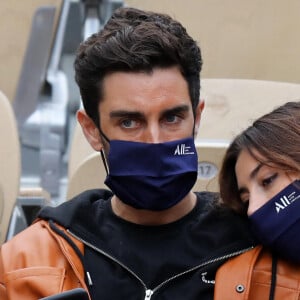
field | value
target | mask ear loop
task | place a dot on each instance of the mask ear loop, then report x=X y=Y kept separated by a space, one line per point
x=103 y=157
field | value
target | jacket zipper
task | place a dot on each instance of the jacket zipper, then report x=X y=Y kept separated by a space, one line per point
x=150 y=292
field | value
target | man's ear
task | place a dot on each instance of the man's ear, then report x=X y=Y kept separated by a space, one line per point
x=90 y=130
x=198 y=114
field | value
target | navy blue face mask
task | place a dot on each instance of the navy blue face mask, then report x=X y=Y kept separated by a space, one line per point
x=277 y=223
x=152 y=176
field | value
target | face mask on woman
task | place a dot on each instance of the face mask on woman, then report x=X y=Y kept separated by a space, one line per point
x=277 y=223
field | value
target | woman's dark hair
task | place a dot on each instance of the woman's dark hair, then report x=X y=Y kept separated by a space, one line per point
x=135 y=41
x=275 y=137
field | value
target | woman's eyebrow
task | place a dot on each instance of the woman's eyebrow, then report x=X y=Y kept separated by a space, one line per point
x=255 y=171
x=252 y=175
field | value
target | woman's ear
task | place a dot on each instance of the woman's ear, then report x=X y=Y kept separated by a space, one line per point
x=90 y=130
x=198 y=114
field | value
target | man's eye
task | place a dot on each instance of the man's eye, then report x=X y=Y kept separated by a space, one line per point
x=172 y=119
x=128 y=123
x=267 y=181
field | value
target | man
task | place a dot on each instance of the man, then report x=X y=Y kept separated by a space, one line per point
x=152 y=238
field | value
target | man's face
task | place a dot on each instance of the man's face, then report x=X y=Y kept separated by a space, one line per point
x=149 y=108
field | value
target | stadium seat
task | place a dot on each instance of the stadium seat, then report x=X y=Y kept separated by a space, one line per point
x=10 y=163
x=18 y=206
x=80 y=149
x=232 y=104
x=89 y=174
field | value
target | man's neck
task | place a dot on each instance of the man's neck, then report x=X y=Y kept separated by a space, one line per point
x=153 y=218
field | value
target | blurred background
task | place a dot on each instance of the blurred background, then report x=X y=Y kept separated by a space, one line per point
x=239 y=39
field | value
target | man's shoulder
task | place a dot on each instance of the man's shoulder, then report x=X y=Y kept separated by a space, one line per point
x=209 y=203
x=38 y=231
x=209 y=199
x=222 y=221
x=76 y=208
x=32 y=240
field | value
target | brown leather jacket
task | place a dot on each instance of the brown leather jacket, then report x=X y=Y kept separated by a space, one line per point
x=247 y=276
x=39 y=246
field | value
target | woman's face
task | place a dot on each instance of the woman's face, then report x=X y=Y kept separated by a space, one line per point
x=258 y=183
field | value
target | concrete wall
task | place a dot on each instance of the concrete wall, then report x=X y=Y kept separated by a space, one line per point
x=243 y=39
x=239 y=39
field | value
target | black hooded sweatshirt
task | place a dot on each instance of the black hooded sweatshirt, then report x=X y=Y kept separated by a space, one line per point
x=123 y=260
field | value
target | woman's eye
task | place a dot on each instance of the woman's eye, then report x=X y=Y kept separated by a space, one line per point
x=267 y=181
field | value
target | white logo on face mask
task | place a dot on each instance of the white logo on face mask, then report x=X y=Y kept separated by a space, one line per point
x=285 y=201
x=182 y=149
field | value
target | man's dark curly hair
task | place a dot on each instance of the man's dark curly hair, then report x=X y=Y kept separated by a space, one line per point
x=135 y=41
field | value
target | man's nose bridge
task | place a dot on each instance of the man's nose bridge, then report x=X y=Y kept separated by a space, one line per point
x=152 y=134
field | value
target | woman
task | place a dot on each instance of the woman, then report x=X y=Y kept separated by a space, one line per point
x=260 y=177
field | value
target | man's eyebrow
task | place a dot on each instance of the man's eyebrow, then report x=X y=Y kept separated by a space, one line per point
x=176 y=110
x=126 y=113
x=136 y=114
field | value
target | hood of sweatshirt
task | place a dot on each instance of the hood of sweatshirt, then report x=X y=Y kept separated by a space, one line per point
x=77 y=212
x=79 y=215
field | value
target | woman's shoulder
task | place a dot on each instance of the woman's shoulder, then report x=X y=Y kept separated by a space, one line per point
x=257 y=272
